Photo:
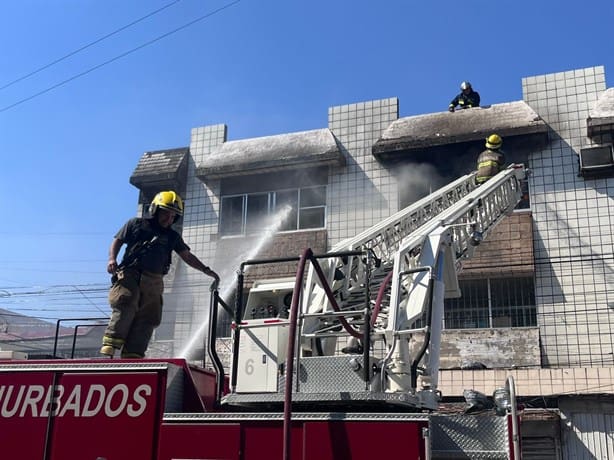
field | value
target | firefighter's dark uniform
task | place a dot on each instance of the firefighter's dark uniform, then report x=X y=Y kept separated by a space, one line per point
x=465 y=101
x=136 y=294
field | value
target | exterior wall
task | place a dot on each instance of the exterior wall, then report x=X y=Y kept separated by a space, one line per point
x=363 y=193
x=501 y=348
x=507 y=251
x=587 y=428
x=572 y=225
x=543 y=382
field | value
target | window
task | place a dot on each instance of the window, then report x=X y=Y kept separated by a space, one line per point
x=231 y=215
x=493 y=302
x=312 y=207
x=256 y=212
x=300 y=208
x=287 y=199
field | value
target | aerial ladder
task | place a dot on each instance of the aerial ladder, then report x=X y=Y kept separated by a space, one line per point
x=362 y=323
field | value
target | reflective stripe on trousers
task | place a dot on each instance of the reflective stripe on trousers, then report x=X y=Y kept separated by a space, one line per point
x=136 y=304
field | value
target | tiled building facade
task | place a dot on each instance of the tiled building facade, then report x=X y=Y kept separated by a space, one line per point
x=370 y=163
x=573 y=221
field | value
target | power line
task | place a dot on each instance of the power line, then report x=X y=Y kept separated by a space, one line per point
x=88 y=299
x=65 y=261
x=70 y=234
x=96 y=67
x=84 y=47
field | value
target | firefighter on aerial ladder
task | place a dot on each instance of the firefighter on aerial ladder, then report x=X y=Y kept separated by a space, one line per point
x=491 y=160
x=137 y=283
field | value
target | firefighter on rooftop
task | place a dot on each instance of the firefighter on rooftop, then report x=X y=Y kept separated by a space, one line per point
x=136 y=293
x=466 y=99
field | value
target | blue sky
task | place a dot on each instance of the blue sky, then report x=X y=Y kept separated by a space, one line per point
x=261 y=67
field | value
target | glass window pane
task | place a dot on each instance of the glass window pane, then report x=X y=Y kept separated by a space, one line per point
x=313 y=196
x=311 y=218
x=257 y=212
x=287 y=198
x=471 y=309
x=231 y=215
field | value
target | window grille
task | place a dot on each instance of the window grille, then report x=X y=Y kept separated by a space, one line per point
x=492 y=302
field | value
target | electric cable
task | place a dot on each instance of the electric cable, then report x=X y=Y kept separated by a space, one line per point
x=116 y=58
x=84 y=47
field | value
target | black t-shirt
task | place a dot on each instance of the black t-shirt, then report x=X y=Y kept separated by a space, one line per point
x=148 y=245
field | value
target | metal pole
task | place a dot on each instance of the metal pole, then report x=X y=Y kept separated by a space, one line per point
x=55 y=341
x=217 y=364
x=289 y=370
x=236 y=331
x=515 y=431
x=366 y=333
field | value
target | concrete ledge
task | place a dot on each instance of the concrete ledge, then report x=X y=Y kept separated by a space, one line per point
x=530 y=382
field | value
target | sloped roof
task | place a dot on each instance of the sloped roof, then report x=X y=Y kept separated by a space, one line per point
x=271 y=153
x=161 y=169
x=36 y=337
x=601 y=117
x=14 y=326
x=418 y=133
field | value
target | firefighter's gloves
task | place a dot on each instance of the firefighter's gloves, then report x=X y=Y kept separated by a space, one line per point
x=215 y=276
x=112 y=266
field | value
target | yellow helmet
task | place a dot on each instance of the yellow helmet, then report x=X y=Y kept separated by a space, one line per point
x=494 y=141
x=167 y=200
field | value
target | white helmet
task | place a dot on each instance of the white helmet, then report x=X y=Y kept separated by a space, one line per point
x=465 y=85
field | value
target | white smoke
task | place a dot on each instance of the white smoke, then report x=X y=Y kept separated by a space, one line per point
x=416 y=181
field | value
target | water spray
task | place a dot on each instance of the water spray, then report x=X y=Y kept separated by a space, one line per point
x=274 y=222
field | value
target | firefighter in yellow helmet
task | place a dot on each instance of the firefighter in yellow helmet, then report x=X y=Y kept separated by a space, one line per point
x=491 y=160
x=137 y=286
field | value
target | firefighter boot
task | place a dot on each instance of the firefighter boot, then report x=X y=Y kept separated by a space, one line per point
x=109 y=345
x=107 y=350
x=130 y=355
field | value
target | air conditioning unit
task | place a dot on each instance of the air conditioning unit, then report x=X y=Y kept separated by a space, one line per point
x=596 y=161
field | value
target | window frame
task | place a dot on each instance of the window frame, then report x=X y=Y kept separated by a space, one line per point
x=271 y=208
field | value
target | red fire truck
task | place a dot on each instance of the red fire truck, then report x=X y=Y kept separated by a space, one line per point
x=340 y=362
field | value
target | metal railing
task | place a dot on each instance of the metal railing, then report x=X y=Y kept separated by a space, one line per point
x=75 y=331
